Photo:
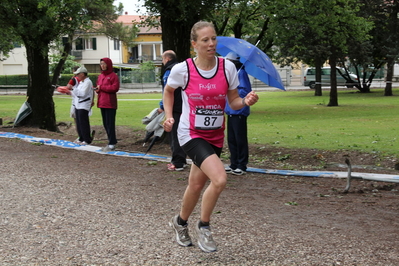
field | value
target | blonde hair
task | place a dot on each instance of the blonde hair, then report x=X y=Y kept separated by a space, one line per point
x=197 y=26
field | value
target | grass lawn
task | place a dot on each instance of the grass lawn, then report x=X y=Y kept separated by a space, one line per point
x=293 y=119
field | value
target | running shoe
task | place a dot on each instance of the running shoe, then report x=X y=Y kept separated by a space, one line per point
x=205 y=239
x=238 y=171
x=181 y=168
x=108 y=148
x=228 y=169
x=182 y=236
x=172 y=167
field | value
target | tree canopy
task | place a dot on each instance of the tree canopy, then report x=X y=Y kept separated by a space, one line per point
x=176 y=19
x=316 y=31
x=7 y=41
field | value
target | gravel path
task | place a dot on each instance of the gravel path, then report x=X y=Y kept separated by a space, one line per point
x=68 y=207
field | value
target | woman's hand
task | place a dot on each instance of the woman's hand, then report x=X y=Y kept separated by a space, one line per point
x=251 y=98
x=168 y=124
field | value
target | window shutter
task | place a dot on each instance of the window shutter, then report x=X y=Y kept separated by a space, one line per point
x=94 y=44
x=64 y=40
x=79 y=44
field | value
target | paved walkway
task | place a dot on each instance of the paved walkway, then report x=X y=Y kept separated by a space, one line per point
x=154 y=87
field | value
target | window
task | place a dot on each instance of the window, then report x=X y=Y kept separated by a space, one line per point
x=326 y=71
x=90 y=44
x=116 y=45
x=86 y=44
x=158 y=52
x=147 y=52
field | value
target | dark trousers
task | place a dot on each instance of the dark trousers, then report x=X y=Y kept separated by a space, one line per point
x=178 y=155
x=109 y=116
x=83 y=125
x=237 y=140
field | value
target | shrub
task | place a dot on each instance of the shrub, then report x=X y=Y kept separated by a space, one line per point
x=14 y=80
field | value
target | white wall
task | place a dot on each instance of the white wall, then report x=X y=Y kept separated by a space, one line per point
x=15 y=64
x=93 y=56
x=396 y=70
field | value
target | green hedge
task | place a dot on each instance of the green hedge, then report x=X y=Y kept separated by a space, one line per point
x=14 y=80
x=23 y=79
x=65 y=78
x=130 y=76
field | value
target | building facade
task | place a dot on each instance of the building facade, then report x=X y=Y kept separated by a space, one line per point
x=148 y=43
x=16 y=63
x=89 y=48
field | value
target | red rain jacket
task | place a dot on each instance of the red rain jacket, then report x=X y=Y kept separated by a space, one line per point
x=109 y=86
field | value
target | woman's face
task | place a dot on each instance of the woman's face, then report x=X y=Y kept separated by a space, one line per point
x=103 y=65
x=206 y=42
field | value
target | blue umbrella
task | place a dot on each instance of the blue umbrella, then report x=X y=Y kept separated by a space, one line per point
x=256 y=62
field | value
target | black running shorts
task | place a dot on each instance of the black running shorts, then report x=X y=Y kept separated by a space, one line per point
x=199 y=149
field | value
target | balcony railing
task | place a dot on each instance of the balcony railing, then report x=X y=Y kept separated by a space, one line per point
x=77 y=54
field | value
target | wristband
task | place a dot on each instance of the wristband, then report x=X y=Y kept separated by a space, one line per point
x=243 y=102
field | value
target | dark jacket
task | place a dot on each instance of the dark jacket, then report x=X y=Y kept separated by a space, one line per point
x=244 y=88
x=177 y=104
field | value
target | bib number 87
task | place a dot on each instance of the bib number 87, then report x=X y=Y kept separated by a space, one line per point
x=206 y=119
x=209 y=121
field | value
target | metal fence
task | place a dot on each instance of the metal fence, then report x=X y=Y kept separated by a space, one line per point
x=138 y=76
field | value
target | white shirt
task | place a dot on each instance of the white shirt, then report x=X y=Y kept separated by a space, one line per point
x=83 y=94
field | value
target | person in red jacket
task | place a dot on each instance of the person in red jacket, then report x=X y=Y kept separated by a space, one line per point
x=107 y=87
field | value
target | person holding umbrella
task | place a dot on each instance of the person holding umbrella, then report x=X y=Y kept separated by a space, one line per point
x=207 y=82
x=237 y=133
x=178 y=161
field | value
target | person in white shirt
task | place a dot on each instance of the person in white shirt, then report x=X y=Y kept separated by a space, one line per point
x=83 y=96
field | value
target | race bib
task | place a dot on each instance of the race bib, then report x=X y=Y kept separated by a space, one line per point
x=208 y=119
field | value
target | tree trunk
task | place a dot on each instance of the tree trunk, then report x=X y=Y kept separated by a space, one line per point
x=40 y=91
x=333 y=82
x=388 y=84
x=363 y=84
x=393 y=24
x=318 y=90
x=180 y=45
x=60 y=65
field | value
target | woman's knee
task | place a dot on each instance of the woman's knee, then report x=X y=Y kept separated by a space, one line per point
x=196 y=187
x=197 y=180
x=220 y=182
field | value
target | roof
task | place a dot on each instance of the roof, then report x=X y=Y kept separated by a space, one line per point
x=128 y=20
